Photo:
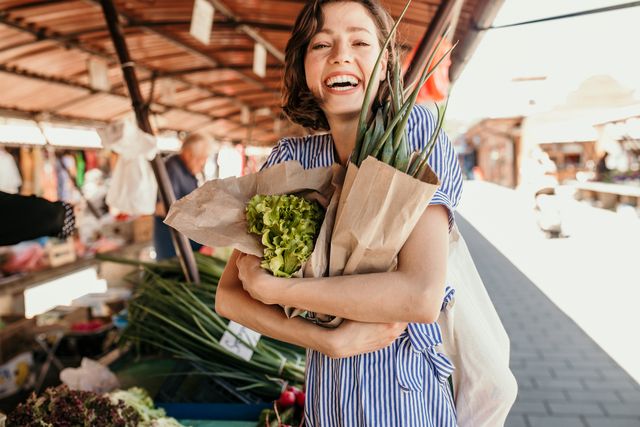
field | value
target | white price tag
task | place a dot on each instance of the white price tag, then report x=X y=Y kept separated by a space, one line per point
x=259 y=60
x=98 y=74
x=245 y=115
x=202 y=21
x=168 y=91
x=231 y=343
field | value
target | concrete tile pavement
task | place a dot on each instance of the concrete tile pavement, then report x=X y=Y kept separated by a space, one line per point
x=592 y=276
x=565 y=379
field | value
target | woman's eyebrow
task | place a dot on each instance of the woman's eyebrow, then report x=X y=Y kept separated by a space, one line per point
x=349 y=30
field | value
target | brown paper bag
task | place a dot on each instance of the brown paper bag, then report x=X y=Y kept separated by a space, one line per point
x=214 y=214
x=379 y=207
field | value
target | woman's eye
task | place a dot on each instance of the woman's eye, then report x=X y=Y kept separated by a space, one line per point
x=361 y=43
x=319 y=46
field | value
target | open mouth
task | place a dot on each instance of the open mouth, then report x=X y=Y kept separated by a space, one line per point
x=342 y=82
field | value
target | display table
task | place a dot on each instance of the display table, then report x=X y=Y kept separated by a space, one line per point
x=213 y=423
x=608 y=194
x=12 y=287
x=183 y=394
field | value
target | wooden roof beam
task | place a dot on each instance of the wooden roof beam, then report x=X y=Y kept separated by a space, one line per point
x=248 y=30
x=180 y=44
x=68 y=42
x=31 y=5
x=183 y=23
x=50 y=116
x=206 y=69
x=48 y=79
x=218 y=24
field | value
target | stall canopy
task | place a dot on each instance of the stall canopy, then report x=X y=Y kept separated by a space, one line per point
x=57 y=61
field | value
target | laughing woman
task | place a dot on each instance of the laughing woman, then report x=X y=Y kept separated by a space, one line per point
x=380 y=367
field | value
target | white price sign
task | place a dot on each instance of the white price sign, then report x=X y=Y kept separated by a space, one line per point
x=202 y=21
x=237 y=346
x=259 y=60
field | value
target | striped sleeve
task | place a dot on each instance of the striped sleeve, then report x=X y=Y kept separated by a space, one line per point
x=443 y=160
x=282 y=152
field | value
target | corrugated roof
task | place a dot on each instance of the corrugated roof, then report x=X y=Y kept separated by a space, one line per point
x=45 y=48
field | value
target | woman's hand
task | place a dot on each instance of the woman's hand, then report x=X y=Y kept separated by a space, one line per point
x=261 y=285
x=351 y=337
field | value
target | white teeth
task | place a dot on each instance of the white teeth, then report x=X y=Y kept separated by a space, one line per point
x=342 y=88
x=342 y=79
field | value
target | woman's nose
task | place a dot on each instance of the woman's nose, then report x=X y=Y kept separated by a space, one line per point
x=341 y=53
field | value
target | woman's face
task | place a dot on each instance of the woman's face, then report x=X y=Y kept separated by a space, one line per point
x=340 y=58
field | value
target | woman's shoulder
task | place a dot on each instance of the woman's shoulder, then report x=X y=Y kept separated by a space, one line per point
x=301 y=148
x=421 y=116
x=421 y=126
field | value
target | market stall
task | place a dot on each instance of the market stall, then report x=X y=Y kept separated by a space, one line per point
x=98 y=62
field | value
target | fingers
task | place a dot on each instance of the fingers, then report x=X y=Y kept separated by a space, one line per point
x=247 y=260
x=358 y=337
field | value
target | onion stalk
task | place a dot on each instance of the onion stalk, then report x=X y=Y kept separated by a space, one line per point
x=385 y=136
x=178 y=318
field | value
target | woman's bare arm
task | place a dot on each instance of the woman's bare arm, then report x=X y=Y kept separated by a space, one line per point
x=412 y=293
x=234 y=303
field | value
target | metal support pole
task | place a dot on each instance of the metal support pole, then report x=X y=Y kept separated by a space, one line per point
x=430 y=39
x=183 y=249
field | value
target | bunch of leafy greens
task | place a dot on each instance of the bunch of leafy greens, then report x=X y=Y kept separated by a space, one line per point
x=60 y=406
x=288 y=226
x=138 y=399
x=169 y=316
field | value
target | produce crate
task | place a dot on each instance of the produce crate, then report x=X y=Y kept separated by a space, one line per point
x=15 y=337
x=118 y=229
x=17 y=374
x=60 y=253
x=143 y=228
x=16 y=360
x=185 y=395
x=214 y=411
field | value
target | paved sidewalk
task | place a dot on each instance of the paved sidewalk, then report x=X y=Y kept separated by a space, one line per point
x=565 y=379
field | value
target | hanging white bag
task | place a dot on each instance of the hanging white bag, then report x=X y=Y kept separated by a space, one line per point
x=476 y=342
x=133 y=187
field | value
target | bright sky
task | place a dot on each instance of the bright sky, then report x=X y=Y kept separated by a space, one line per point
x=566 y=52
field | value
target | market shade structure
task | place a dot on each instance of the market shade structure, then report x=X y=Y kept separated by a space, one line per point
x=48 y=47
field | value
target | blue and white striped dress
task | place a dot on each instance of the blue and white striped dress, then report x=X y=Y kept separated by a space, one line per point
x=404 y=384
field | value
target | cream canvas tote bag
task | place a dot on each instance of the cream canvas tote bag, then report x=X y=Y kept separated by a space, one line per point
x=477 y=344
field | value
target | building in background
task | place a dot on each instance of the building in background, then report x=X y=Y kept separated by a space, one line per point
x=495 y=146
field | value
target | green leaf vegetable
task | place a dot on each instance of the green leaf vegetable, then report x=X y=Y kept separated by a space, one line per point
x=288 y=226
x=60 y=406
x=383 y=135
x=138 y=399
x=172 y=317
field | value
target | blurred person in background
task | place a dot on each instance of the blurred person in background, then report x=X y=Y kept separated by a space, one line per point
x=24 y=218
x=185 y=172
x=29 y=217
x=602 y=170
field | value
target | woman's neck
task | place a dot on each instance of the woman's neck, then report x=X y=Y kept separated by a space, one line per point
x=344 y=134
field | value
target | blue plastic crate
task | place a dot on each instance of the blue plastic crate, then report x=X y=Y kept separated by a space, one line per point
x=215 y=411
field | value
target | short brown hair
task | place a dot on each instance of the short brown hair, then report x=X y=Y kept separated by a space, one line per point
x=299 y=104
x=198 y=143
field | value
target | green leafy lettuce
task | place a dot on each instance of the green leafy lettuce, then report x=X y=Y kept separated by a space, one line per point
x=288 y=226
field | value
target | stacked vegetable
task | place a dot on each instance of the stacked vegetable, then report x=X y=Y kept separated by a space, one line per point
x=60 y=406
x=288 y=226
x=178 y=318
x=385 y=137
x=287 y=411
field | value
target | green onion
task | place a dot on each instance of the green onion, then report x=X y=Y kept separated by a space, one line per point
x=170 y=316
x=385 y=136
